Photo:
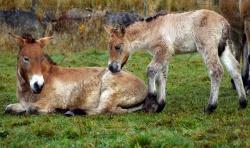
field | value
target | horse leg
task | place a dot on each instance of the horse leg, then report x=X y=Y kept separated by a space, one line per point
x=247 y=51
x=16 y=109
x=152 y=73
x=215 y=69
x=238 y=49
x=42 y=106
x=120 y=110
x=156 y=73
x=161 y=83
x=237 y=44
x=155 y=98
x=233 y=68
x=109 y=103
x=245 y=65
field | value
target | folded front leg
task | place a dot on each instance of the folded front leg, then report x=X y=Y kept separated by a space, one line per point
x=16 y=109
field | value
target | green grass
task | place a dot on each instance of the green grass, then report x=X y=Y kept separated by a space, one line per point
x=181 y=124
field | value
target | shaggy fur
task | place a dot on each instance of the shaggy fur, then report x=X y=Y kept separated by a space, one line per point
x=203 y=31
x=44 y=87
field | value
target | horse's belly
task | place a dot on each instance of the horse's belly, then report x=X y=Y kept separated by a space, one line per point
x=79 y=94
x=186 y=46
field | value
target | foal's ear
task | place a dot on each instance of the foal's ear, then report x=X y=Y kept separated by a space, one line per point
x=108 y=29
x=44 y=41
x=111 y=30
x=19 y=40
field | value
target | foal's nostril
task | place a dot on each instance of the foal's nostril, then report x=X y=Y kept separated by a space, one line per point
x=37 y=87
x=114 y=67
x=110 y=67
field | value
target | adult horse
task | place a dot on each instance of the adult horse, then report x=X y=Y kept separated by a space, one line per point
x=237 y=12
x=44 y=87
x=166 y=34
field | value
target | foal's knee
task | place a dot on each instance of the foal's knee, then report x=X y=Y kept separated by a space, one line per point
x=151 y=72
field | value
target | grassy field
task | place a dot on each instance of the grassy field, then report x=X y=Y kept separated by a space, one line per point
x=181 y=124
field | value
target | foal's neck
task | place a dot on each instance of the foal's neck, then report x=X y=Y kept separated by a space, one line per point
x=137 y=35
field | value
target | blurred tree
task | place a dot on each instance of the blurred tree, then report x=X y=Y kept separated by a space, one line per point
x=216 y=2
x=34 y=5
x=145 y=8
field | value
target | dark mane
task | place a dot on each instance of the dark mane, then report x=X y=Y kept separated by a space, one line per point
x=151 y=18
x=29 y=38
x=48 y=58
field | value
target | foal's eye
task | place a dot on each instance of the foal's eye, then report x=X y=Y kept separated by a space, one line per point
x=119 y=47
x=26 y=59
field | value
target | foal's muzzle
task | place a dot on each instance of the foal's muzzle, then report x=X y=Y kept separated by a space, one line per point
x=37 y=88
x=36 y=83
x=115 y=67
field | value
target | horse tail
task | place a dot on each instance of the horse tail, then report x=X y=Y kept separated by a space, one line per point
x=225 y=38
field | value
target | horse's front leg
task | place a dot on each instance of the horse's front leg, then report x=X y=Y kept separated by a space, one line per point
x=161 y=92
x=40 y=107
x=155 y=101
x=38 y=110
x=16 y=109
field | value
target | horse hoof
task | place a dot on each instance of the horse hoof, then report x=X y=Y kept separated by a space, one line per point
x=8 y=110
x=161 y=106
x=79 y=111
x=152 y=96
x=69 y=113
x=31 y=110
x=150 y=105
x=210 y=108
x=61 y=111
x=242 y=103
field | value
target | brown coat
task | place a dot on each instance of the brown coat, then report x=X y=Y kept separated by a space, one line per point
x=44 y=87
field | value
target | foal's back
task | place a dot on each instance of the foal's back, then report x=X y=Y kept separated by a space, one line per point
x=183 y=30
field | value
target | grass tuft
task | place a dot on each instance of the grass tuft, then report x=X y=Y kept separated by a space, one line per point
x=141 y=140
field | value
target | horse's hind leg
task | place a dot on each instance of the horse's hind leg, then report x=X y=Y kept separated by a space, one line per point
x=216 y=73
x=120 y=110
x=238 y=49
x=233 y=68
x=245 y=64
x=215 y=69
x=247 y=51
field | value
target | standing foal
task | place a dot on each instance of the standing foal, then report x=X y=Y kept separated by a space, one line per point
x=166 y=34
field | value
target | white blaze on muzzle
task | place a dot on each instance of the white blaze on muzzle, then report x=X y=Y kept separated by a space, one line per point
x=36 y=79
